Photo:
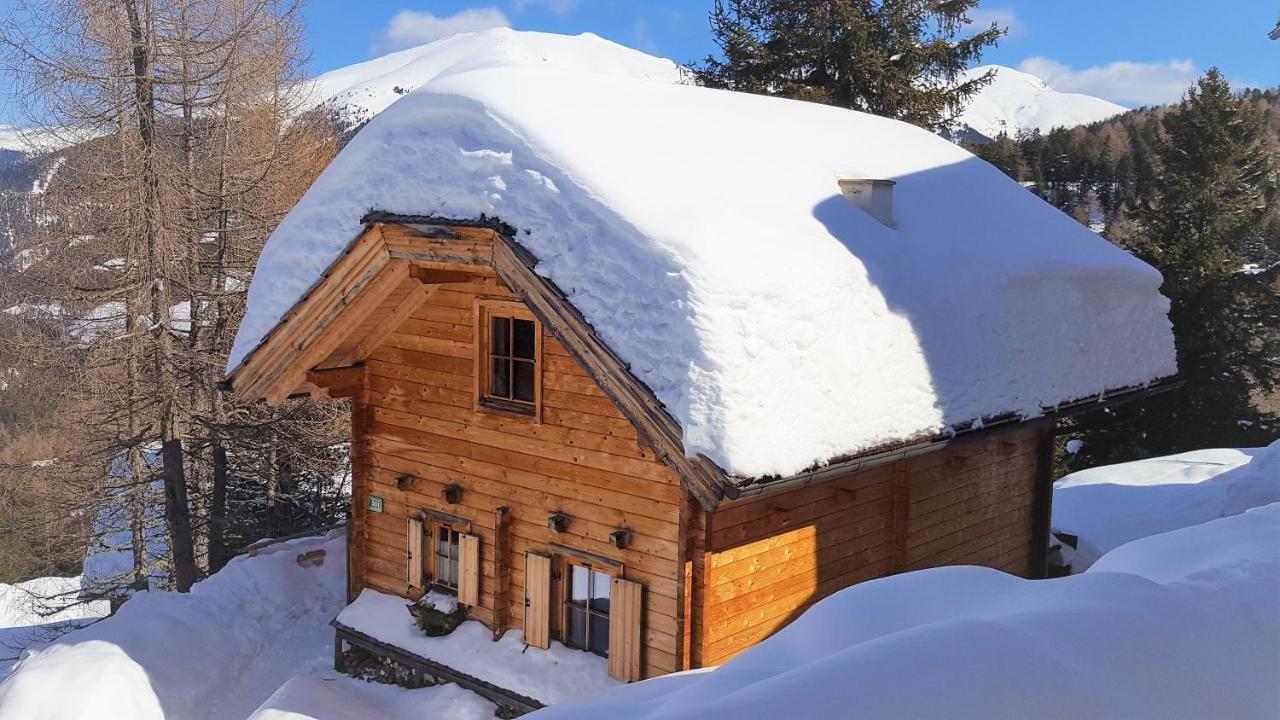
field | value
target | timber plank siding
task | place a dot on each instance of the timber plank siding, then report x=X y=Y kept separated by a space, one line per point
x=758 y=563
x=582 y=459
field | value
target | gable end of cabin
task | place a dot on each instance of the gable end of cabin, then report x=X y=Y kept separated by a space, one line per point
x=488 y=462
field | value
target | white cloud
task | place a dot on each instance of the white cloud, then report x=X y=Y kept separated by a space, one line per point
x=1127 y=83
x=410 y=27
x=559 y=7
x=642 y=37
x=1004 y=17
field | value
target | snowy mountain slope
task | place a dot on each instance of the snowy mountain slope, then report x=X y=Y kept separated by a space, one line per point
x=360 y=91
x=1015 y=101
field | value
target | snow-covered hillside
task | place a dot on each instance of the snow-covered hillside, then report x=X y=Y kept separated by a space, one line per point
x=1013 y=101
x=358 y=92
x=1016 y=101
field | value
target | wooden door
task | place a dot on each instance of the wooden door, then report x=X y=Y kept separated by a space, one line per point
x=537 y=600
x=469 y=569
x=625 y=639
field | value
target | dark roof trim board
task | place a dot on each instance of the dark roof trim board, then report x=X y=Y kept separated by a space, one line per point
x=908 y=449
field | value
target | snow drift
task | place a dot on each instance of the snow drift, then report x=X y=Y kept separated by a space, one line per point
x=40 y=610
x=548 y=676
x=1114 y=504
x=215 y=652
x=1180 y=625
x=330 y=696
x=704 y=236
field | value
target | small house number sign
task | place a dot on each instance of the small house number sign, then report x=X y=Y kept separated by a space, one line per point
x=375 y=503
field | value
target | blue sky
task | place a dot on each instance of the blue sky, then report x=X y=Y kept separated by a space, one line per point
x=1133 y=52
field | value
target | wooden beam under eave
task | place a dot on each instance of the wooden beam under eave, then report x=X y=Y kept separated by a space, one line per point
x=433 y=276
x=362 y=261
x=394 y=320
x=334 y=327
x=339 y=382
x=469 y=247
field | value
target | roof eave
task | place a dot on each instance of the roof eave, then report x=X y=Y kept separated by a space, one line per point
x=920 y=446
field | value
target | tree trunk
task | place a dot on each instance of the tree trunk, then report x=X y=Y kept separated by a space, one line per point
x=179 y=516
x=138 y=517
x=218 y=510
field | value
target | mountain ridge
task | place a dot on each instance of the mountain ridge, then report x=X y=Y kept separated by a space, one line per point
x=1015 y=101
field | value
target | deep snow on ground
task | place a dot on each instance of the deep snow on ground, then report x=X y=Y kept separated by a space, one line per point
x=1112 y=505
x=39 y=611
x=549 y=676
x=1180 y=625
x=332 y=696
x=730 y=280
x=213 y=654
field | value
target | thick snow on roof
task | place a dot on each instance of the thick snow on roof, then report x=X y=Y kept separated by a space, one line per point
x=704 y=236
x=1016 y=100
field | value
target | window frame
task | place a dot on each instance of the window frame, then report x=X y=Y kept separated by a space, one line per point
x=485 y=310
x=564 y=562
x=435 y=527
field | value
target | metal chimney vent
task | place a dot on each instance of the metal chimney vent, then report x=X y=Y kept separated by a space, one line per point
x=874 y=197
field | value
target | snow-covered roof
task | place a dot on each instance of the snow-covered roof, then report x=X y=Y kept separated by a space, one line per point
x=704 y=235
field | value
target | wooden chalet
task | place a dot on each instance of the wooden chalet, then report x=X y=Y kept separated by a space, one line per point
x=679 y=392
x=504 y=454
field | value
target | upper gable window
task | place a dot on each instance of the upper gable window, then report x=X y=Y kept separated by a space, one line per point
x=509 y=370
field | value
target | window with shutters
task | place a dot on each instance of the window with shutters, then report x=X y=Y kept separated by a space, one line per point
x=445 y=556
x=509 y=345
x=585 y=612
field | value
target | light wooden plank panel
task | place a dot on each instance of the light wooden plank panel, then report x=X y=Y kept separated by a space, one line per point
x=414 y=555
x=537 y=600
x=625 y=636
x=469 y=569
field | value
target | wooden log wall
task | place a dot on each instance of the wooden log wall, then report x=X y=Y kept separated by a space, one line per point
x=583 y=459
x=758 y=563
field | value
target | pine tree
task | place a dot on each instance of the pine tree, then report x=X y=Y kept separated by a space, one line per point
x=897 y=58
x=1212 y=198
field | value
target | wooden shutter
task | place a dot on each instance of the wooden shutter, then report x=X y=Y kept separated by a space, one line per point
x=537 y=600
x=414 y=555
x=469 y=569
x=625 y=640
